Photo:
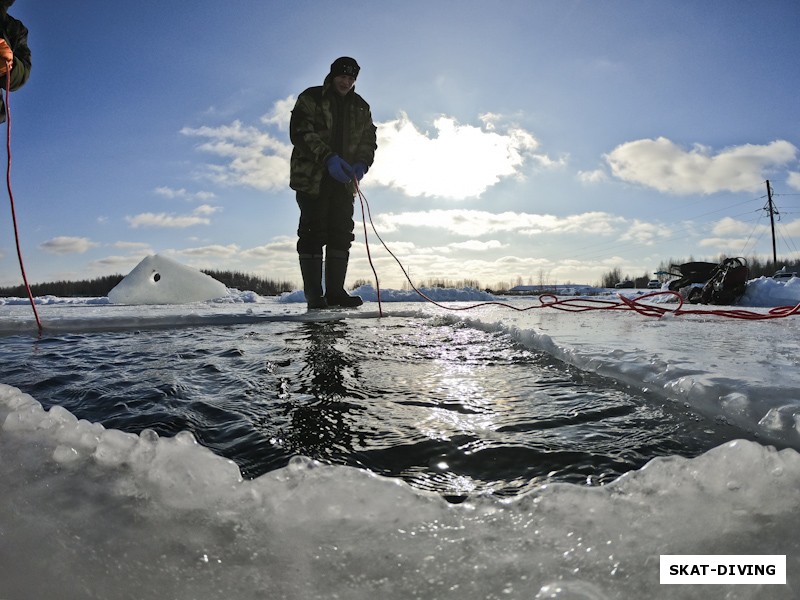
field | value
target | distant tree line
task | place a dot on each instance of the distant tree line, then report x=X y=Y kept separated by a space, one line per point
x=88 y=288
x=442 y=283
x=101 y=286
x=252 y=283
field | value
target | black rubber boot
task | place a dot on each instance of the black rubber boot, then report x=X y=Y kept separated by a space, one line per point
x=311 y=269
x=335 y=271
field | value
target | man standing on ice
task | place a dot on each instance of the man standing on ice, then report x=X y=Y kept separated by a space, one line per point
x=14 y=52
x=334 y=145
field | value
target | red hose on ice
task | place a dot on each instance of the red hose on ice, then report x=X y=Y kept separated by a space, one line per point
x=578 y=304
x=11 y=198
x=364 y=203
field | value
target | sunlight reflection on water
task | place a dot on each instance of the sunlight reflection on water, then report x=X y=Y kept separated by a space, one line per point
x=446 y=407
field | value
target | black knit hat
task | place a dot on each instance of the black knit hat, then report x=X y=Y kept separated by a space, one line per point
x=345 y=65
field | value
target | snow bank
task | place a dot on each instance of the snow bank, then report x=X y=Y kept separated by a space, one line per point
x=161 y=280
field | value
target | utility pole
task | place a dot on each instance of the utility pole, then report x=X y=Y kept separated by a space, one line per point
x=772 y=211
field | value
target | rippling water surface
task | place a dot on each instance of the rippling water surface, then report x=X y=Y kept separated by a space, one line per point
x=448 y=408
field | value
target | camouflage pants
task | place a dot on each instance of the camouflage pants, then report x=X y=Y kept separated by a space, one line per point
x=325 y=220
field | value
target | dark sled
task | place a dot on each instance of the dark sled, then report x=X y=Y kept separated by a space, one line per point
x=723 y=283
x=691 y=273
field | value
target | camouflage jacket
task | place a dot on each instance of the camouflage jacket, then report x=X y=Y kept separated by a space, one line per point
x=16 y=36
x=312 y=131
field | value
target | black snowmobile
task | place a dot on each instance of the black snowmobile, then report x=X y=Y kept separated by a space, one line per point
x=722 y=283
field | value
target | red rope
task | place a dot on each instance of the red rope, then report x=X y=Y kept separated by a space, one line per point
x=583 y=304
x=363 y=200
x=11 y=198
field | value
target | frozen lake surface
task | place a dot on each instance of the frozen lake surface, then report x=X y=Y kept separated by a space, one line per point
x=426 y=453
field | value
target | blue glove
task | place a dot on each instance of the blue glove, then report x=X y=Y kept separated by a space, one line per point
x=359 y=169
x=339 y=169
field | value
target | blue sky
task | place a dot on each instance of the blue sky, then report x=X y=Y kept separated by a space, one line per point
x=520 y=141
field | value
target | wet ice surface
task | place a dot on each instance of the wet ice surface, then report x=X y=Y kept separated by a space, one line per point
x=120 y=515
x=448 y=408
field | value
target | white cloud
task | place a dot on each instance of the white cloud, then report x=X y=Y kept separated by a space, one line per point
x=250 y=157
x=475 y=223
x=596 y=176
x=67 y=245
x=134 y=246
x=279 y=245
x=281 y=113
x=490 y=120
x=171 y=193
x=794 y=180
x=665 y=166
x=206 y=209
x=199 y=216
x=733 y=245
x=116 y=261
x=213 y=250
x=166 y=221
x=645 y=233
x=728 y=226
x=459 y=161
x=730 y=236
x=791 y=228
x=477 y=245
x=184 y=194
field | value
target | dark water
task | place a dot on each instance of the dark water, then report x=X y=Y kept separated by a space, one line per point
x=448 y=408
